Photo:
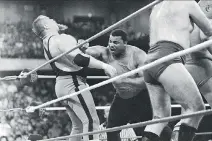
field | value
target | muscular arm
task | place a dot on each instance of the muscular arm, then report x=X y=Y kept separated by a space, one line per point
x=96 y=51
x=204 y=38
x=66 y=42
x=137 y=81
x=199 y=18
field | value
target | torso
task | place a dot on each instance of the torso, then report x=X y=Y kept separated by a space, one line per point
x=169 y=21
x=201 y=54
x=64 y=84
x=64 y=63
x=199 y=63
x=123 y=65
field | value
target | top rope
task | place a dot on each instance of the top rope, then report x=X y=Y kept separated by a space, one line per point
x=98 y=34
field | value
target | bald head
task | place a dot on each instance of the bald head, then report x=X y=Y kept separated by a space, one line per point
x=42 y=24
x=206 y=6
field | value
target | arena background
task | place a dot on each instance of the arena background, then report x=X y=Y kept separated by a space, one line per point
x=19 y=49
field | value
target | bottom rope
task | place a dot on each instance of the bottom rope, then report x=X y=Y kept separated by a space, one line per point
x=135 y=125
x=138 y=137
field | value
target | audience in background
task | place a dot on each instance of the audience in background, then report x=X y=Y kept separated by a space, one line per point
x=125 y=134
x=17 y=125
x=18 y=41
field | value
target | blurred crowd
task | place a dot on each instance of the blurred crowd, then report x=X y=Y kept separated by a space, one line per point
x=17 y=125
x=18 y=41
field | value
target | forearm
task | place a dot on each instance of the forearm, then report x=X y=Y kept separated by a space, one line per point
x=94 y=63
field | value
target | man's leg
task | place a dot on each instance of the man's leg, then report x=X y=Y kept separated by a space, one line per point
x=206 y=91
x=118 y=115
x=81 y=109
x=180 y=85
x=166 y=134
x=144 y=114
x=77 y=126
x=201 y=72
x=64 y=87
x=161 y=107
x=140 y=110
x=91 y=113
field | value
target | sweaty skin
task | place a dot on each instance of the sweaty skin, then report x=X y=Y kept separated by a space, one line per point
x=199 y=63
x=170 y=24
x=131 y=101
x=195 y=38
x=70 y=76
x=134 y=57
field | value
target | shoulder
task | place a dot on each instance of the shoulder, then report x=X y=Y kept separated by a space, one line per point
x=139 y=56
x=101 y=48
x=191 y=5
x=64 y=39
x=96 y=49
x=137 y=51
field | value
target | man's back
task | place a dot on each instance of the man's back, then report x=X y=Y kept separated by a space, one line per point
x=59 y=44
x=170 y=21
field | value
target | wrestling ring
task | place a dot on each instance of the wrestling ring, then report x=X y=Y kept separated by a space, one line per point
x=161 y=60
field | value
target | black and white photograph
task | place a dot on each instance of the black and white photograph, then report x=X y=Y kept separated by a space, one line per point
x=105 y=70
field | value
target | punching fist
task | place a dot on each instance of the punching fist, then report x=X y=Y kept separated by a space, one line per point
x=109 y=70
x=84 y=47
x=28 y=80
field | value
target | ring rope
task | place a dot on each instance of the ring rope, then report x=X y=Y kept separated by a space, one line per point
x=154 y=63
x=88 y=77
x=63 y=108
x=138 y=137
x=135 y=125
x=98 y=34
x=7 y=78
x=203 y=133
x=102 y=107
x=12 y=110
